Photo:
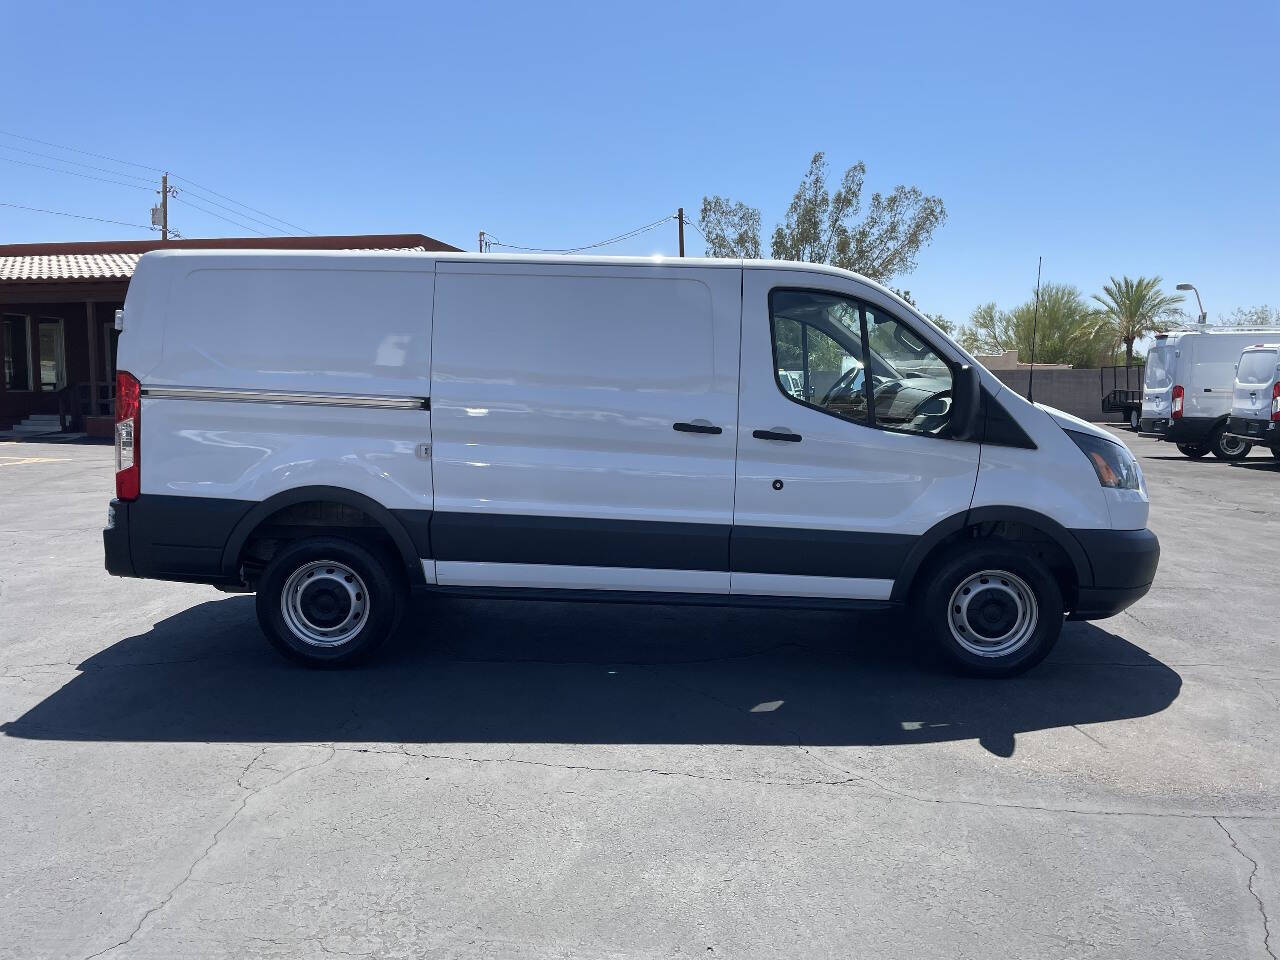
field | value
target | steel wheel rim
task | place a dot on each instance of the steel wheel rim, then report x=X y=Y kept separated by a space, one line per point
x=993 y=613
x=1231 y=446
x=325 y=603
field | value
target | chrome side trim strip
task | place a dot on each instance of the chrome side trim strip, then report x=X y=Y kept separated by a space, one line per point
x=277 y=396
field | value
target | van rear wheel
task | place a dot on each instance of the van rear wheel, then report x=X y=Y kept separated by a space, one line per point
x=1227 y=447
x=328 y=602
x=1192 y=450
x=991 y=609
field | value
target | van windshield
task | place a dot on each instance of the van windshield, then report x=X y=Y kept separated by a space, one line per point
x=1159 y=360
x=1257 y=366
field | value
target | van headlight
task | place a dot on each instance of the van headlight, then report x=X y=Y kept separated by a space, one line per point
x=1115 y=466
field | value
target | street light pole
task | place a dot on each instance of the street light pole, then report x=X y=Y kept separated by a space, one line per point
x=1192 y=288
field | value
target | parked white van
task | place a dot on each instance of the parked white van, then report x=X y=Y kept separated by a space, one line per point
x=1255 y=403
x=331 y=429
x=1187 y=391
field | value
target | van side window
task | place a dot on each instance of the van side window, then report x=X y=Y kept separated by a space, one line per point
x=824 y=347
x=817 y=350
x=912 y=383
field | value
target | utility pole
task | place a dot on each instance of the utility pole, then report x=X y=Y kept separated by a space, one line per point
x=482 y=241
x=680 y=218
x=160 y=214
x=1035 y=322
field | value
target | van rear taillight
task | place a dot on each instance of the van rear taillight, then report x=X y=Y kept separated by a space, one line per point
x=1275 y=400
x=128 y=434
x=1178 y=392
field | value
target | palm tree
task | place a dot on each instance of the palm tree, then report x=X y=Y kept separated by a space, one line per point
x=1130 y=310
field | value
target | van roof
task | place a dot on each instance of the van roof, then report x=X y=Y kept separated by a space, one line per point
x=666 y=261
x=1215 y=332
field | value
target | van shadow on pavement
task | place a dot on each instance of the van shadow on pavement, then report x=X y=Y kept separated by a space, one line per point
x=526 y=672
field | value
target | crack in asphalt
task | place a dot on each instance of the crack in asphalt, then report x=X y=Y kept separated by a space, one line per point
x=587 y=768
x=850 y=778
x=250 y=793
x=1253 y=874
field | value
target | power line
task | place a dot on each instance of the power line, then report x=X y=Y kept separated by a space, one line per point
x=693 y=223
x=76 y=163
x=78 y=216
x=590 y=246
x=269 y=226
x=143 y=166
x=192 y=183
x=87 y=153
x=211 y=213
x=75 y=173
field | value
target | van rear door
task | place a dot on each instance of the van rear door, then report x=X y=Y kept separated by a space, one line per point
x=843 y=460
x=1210 y=373
x=584 y=424
x=1157 y=384
x=1255 y=376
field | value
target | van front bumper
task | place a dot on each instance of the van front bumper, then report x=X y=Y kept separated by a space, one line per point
x=1124 y=566
x=1182 y=430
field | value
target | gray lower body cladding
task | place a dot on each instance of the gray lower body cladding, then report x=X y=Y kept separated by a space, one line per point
x=197 y=539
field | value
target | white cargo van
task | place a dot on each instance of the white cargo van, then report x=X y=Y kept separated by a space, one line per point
x=1187 y=391
x=1255 y=404
x=331 y=429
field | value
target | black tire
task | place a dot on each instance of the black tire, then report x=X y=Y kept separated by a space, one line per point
x=1229 y=448
x=1193 y=450
x=1134 y=419
x=353 y=596
x=1012 y=572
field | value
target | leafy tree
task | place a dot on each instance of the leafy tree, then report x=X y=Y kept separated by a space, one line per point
x=825 y=227
x=945 y=325
x=731 y=229
x=1259 y=316
x=1063 y=332
x=1130 y=309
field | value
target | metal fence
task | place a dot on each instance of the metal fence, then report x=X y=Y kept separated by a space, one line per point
x=1079 y=392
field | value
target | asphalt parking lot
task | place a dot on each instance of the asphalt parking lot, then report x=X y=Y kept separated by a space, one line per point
x=587 y=780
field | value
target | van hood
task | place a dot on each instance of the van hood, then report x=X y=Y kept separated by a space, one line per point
x=1067 y=422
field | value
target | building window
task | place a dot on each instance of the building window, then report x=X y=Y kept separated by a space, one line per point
x=53 y=364
x=17 y=371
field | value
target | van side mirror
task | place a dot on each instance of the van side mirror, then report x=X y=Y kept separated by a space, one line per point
x=966 y=403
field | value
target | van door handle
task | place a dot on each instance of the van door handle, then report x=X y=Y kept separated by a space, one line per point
x=695 y=428
x=777 y=435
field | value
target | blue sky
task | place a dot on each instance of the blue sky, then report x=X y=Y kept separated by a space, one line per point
x=1139 y=138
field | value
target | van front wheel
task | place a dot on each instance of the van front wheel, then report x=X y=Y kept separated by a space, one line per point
x=992 y=609
x=328 y=602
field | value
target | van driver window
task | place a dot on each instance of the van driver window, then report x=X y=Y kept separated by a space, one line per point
x=818 y=352
x=819 y=360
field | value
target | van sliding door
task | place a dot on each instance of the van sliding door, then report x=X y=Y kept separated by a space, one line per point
x=584 y=424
